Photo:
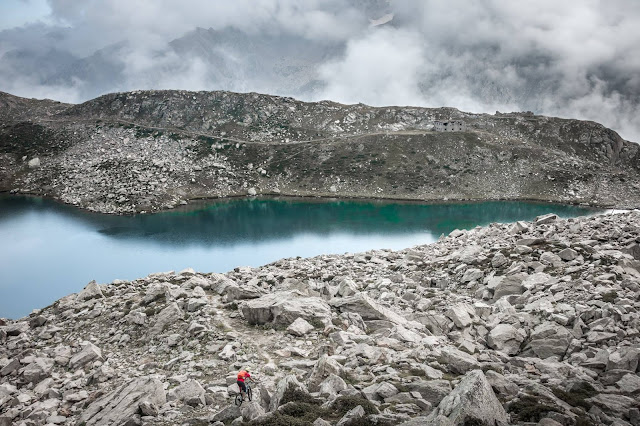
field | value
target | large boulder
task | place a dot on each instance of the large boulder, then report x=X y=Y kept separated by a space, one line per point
x=190 y=392
x=122 y=406
x=549 y=339
x=299 y=327
x=288 y=383
x=323 y=368
x=285 y=307
x=91 y=291
x=38 y=369
x=251 y=410
x=505 y=338
x=89 y=353
x=511 y=284
x=367 y=308
x=169 y=315
x=471 y=402
x=332 y=385
x=458 y=361
x=431 y=390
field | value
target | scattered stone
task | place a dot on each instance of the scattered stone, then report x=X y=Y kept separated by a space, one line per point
x=89 y=353
x=471 y=402
x=299 y=327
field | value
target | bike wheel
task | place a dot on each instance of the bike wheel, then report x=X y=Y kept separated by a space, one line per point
x=238 y=400
x=249 y=392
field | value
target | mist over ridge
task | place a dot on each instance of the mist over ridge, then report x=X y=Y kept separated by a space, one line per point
x=575 y=59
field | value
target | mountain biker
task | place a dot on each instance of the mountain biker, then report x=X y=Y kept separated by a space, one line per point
x=242 y=375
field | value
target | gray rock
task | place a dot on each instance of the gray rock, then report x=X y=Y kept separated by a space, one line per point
x=367 y=308
x=138 y=318
x=458 y=361
x=123 y=404
x=511 y=284
x=431 y=390
x=549 y=339
x=38 y=369
x=501 y=384
x=169 y=315
x=323 y=368
x=505 y=338
x=616 y=405
x=299 y=327
x=351 y=415
x=468 y=254
x=518 y=228
x=629 y=384
x=545 y=219
x=284 y=308
x=11 y=367
x=91 y=291
x=89 y=353
x=471 y=400
x=234 y=292
x=148 y=409
x=230 y=412
x=332 y=385
x=461 y=314
x=379 y=391
x=568 y=254
x=196 y=303
x=472 y=274
x=289 y=381
x=16 y=328
x=624 y=359
x=191 y=392
x=251 y=410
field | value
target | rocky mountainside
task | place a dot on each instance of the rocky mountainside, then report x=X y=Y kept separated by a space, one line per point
x=525 y=323
x=146 y=151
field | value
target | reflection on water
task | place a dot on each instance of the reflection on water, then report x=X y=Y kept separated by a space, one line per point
x=49 y=250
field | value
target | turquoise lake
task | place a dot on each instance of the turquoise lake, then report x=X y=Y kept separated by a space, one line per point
x=49 y=250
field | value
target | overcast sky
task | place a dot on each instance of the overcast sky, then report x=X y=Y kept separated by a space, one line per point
x=570 y=58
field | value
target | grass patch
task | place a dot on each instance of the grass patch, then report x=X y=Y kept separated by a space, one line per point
x=294 y=394
x=610 y=296
x=342 y=404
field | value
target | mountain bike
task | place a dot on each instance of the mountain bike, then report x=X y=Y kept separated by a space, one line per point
x=239 y=399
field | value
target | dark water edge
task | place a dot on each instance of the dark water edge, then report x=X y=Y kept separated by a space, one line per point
x=49 y=250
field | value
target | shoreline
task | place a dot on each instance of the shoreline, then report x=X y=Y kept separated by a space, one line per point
x=326 y=197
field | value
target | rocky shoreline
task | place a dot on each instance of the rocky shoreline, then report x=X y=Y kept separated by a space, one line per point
x=526 y=323
x=148 y=151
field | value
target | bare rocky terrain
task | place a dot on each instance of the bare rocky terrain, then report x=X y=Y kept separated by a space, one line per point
x=532 y=323
x=147 y=151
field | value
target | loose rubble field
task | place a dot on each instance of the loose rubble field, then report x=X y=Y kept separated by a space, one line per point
x=525 y=323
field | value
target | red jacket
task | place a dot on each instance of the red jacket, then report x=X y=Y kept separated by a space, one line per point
x=243 y=375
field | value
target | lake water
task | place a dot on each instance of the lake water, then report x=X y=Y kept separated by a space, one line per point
x=49 y=250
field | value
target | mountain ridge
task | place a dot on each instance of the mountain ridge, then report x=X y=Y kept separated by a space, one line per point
x=146 y=151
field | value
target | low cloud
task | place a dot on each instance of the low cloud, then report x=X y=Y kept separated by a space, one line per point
x=576 y=58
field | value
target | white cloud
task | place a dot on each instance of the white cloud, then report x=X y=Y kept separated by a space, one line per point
x=575 y=58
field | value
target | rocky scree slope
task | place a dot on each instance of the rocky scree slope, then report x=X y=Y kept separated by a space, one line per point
x=152 y=150
x=525 y=323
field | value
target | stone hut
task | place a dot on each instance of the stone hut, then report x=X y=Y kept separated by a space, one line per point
x=450 y=126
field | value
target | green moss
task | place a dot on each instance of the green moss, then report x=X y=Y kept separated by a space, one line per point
x=531 y=408
x=342 y=404
x=610 y=296
x=577 y=395
x=294 y=394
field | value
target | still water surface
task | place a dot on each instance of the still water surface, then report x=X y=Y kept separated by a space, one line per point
x=49 y=250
